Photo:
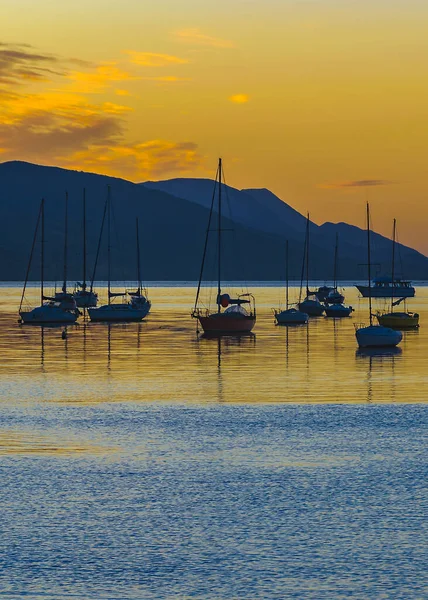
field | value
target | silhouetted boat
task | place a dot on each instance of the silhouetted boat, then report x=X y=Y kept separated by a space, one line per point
x=234 y=319
x=138 y=306
x=374 y=335
x=397 y=319
x=61 y=308
x=385 y=287
x=84 y=298
x=334 y=306
x=289 y=316
x=310 y=305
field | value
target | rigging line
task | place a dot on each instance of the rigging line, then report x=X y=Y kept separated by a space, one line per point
x=31 y=253
x=201 y=273
x=99 y=243
x=64 y=282
x=302 y=275
x=241 y=263
x=119 y=248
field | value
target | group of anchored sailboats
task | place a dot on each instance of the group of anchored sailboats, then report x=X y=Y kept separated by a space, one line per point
x=232 y=313
x=63 y=307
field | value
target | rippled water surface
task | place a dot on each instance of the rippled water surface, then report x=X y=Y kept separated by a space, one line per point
x=144 y=461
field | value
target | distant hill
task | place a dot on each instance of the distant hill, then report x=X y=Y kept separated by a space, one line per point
x=173 y=219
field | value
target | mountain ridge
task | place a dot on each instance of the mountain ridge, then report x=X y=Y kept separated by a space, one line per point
x=173 y=229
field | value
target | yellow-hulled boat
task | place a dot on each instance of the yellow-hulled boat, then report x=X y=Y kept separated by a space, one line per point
x=398 y=320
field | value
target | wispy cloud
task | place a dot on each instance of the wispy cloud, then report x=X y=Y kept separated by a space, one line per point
x=196 y=37
x=150 y=159
x=62 y=124
x=151 y=59
x=354 y=184
x=239 y=98
x=97 y=80
x=20 y=63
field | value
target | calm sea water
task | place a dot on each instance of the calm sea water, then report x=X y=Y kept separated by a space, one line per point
x=142 y=461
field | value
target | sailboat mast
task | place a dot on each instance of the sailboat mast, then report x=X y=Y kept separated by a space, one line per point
x=84 y=240
x=31 y=255
x=286 y=275
x=219 y=237
x=335 y=263
x=64 y=284
x=42 y=256
x=138 y=258
x=307 y=256
x=369 y=265
x=108 y=244
x=394 y=226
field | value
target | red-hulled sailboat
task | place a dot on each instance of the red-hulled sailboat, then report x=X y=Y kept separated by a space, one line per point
x=230 y=316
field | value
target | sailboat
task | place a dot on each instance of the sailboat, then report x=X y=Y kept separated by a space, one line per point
x=374 y=335
x=289 y=316
x=138 y=306
x=334 y=306
x=58 y=309
x=397 y=319
x=310 y=305
x=234 y=319
x=84 y=298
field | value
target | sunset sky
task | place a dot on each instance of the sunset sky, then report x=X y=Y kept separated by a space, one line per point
x=323 y=102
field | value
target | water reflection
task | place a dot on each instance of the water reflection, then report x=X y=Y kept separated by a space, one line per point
x=161 y=359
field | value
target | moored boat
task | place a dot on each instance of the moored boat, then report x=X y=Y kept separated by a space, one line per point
x=397 y=319
x=310 y=305
x=84 y=297
x=385 y=287
x=138 y=305
x=59 y=309
x=374 y=336
x=289 y=316
x=230 y=317
x=337 y=311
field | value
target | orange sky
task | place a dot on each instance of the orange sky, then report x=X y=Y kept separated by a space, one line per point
x=324 y=102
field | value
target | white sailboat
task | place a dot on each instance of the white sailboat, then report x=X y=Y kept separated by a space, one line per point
x=85 y=298
x=59 y=309
x=374 y=335
x=138 y=306
x=289 y=316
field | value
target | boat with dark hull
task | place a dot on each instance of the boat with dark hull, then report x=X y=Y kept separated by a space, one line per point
x=85 y=298
x=233 y=315
x=59 y=309
x=374 y=336
x=385 y=287
x=310 y=305
x=397 y=319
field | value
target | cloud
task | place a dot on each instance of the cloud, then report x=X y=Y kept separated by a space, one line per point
x=239 y=98
x=150 y=159
x=96 y=82
x=167 y=79
x=64 y=126
x=354 y=184
x=195 y=36
x=150 y=59
x=19 y=63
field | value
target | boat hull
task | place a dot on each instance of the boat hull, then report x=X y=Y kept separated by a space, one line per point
x=291 y=317
x=377 y=336
x=225 y=324
x=45 y=315
x=337 y=311
x=311 y=308
x=399 y=320
x=397 y=292
x=118 y=313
